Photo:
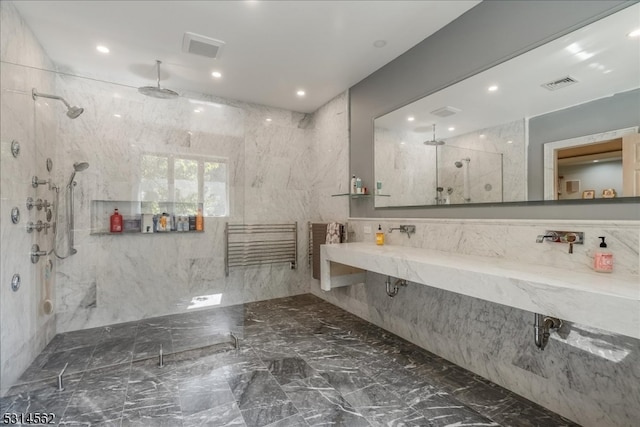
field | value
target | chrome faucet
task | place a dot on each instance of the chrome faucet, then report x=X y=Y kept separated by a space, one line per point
x=409 y=229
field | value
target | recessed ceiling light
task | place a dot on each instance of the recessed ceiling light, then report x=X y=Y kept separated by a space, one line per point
x=402 y=142
x=301 y=93
x=410 y=118
x=117 y=115
x=634 y=33
x=380 y=43
x=197 y=111
x=483 y=136
x=268 y=119
x=509 y=142
x=451 y=129
x=492 y=88
x=102 y=49
x=596 y=161
x=216 y=74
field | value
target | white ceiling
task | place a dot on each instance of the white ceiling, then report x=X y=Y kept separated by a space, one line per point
x=272 y=50
x=599 y=56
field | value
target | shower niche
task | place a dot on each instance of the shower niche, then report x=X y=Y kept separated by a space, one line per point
x=147 y=217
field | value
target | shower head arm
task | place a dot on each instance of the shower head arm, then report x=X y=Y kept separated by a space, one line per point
x=35 y=94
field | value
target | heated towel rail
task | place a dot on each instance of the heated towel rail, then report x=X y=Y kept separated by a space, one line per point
x=255 y=244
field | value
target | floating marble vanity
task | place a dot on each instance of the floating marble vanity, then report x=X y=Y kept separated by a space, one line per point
x=604 y=301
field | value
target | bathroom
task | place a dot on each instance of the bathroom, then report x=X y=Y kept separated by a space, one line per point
x=278 y=165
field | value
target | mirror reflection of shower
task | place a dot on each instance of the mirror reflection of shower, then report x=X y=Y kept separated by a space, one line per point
x=73 y=112
x=464 y=163
x=67 y=220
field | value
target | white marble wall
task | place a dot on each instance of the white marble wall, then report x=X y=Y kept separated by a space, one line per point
x=587 y=375
x=24 y=328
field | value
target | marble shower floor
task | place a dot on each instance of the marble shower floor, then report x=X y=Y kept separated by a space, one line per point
x=302 y=362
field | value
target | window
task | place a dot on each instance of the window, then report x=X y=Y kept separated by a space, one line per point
x=188 y=182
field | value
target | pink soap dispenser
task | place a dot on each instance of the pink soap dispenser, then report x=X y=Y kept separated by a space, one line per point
x=603 y=260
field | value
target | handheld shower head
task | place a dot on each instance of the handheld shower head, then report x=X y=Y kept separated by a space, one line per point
x=458 y=164
x=72 y=112
x=77 y=167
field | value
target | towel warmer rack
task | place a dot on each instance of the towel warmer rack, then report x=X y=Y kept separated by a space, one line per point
x=256 y=244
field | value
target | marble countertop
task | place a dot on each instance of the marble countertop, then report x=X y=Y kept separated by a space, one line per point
x=605 y=301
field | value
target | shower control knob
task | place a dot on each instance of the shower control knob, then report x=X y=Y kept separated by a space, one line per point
x=36 y=253
x=40 y=204
x=46 y=227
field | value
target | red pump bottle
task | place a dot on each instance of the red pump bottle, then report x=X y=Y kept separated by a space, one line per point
x=116 y=222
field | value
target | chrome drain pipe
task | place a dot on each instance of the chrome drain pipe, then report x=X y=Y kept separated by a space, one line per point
x=392 y=291
x=542 y=326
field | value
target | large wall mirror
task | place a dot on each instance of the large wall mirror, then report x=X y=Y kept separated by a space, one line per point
x=469 y=142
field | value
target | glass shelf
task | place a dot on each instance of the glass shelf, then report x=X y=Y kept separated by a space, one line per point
x=360 y=196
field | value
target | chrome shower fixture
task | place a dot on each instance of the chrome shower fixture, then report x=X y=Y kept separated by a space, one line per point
x=459 y=162
x=72 y=111
x=433 y=141
x=157 y=91
x=77 y=167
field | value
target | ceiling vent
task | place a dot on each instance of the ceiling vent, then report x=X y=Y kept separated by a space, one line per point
x=445 y=111
x=560 y=83
x=201 y=45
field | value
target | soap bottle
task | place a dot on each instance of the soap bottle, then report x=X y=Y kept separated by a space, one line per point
x=379 y=236
x=199 y=220
x=115 y=223
x=353 y=184
x=603 y=260
x=358 y=186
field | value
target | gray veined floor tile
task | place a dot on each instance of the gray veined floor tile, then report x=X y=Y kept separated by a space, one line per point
x=380 y=406
x=257 y=389
x=302 y=362
x=227 y=415
x=263 y=415
x=199 y=399
x=112 y=352
x=289 y=369
x=321 y=404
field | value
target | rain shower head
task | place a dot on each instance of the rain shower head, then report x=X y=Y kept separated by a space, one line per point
x=434 y=141
x=77 y=167
x=72 y=111
x=157 y=91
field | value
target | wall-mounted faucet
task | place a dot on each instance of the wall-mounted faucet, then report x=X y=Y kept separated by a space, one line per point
x=409 y=229
x=570 y=237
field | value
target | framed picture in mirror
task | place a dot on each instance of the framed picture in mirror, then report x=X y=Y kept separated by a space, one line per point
x=589 y=194
x=608 y=193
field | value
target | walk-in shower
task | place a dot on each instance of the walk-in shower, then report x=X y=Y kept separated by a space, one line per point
x=67 y=219
x=72 y=111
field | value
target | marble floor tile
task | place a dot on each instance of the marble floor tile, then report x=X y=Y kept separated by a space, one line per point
x=218 y=416
x=112 y=352
x=259 y=416
x=302 y=362
x=288 y=369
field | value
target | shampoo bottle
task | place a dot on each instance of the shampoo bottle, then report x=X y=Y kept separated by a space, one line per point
x=353 y=185
x=603 y=260
x=379 y=236
x=199 y=220
x=115 y=223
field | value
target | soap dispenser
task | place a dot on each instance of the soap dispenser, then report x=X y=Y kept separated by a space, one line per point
x=603 y=259
x=379 y=236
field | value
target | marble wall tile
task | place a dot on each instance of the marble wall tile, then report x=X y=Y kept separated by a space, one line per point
x=26 y=329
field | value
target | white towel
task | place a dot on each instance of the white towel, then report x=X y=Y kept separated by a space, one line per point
x=333 y=233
